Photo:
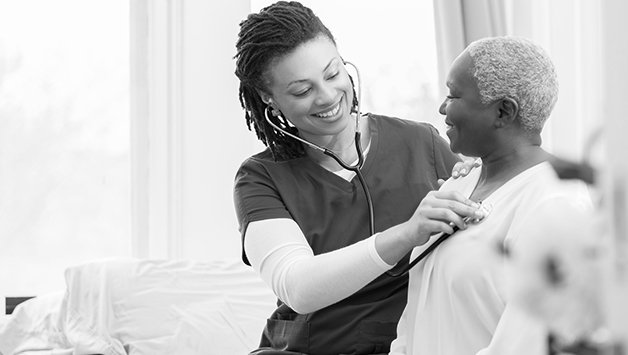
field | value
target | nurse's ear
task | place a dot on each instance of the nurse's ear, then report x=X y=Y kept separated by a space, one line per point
x=508 y=110
x=266 y=98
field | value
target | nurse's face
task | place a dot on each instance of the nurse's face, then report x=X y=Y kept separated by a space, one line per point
x=469 y=122
x=312 y=89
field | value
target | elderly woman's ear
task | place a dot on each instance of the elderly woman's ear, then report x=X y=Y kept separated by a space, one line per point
x=508 y=110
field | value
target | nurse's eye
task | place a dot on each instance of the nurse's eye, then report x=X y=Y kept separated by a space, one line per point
x=333 y=75
x=302 y=92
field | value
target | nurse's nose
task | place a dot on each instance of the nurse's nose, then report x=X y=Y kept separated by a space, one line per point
x=326 y=94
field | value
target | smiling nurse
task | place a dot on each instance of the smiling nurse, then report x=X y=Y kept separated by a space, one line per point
x=302 y=219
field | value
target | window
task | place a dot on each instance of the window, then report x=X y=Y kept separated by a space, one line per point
x=64 y=139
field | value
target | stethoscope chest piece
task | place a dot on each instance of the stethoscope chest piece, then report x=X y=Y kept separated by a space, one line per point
x=486 y=209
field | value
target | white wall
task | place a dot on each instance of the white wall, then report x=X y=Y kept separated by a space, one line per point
x=216 y=137
x=189 y=133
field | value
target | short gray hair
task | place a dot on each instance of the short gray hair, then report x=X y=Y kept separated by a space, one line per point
x=517 y=68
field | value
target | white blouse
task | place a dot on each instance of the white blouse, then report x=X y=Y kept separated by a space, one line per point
x=458 y=295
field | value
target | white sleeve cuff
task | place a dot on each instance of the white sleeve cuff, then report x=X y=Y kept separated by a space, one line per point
x=375 y=255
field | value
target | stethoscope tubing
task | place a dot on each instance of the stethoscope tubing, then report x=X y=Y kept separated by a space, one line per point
x=421 y=256
x=358 y=147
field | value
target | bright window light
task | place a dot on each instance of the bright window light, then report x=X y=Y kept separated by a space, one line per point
x=64 y=139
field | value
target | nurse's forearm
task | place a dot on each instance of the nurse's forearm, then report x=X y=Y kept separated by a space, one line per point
x=317 y=282
x=392 y=244
x=279 y=252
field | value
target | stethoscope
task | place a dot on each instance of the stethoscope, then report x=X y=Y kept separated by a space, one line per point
x=356 y=169
x=358 y=147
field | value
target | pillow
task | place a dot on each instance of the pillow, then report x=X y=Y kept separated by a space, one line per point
x=33 y=326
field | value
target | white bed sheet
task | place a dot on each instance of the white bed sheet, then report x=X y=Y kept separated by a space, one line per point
x=132 y=306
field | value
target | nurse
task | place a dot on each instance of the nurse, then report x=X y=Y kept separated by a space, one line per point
x=303 y=219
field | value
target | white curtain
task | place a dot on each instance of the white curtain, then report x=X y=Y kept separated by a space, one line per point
x=614 y=51
x=568 y=29
x=460 y=22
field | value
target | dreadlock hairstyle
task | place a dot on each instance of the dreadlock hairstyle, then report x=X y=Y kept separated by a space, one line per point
x=274 y=32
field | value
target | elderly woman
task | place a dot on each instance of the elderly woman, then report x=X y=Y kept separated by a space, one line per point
x=501 y=92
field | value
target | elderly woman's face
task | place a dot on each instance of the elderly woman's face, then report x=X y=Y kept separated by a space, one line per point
x=312 y=89
x=469 y=122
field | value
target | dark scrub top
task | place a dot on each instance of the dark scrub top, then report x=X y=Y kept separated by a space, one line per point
x=405 y=160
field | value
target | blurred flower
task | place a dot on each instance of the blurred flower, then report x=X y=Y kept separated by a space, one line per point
x=556 y=271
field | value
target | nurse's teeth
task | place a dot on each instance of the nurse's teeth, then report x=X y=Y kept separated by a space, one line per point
x=330 y=113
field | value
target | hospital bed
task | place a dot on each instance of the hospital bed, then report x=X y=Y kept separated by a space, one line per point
x=133 y=306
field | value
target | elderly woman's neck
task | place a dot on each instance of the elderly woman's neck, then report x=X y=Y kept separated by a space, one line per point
x=512 y=161
x=501 y=166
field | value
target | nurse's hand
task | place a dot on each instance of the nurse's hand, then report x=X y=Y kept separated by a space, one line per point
x=438 y=212
x=433 y=215
x=463 y=168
